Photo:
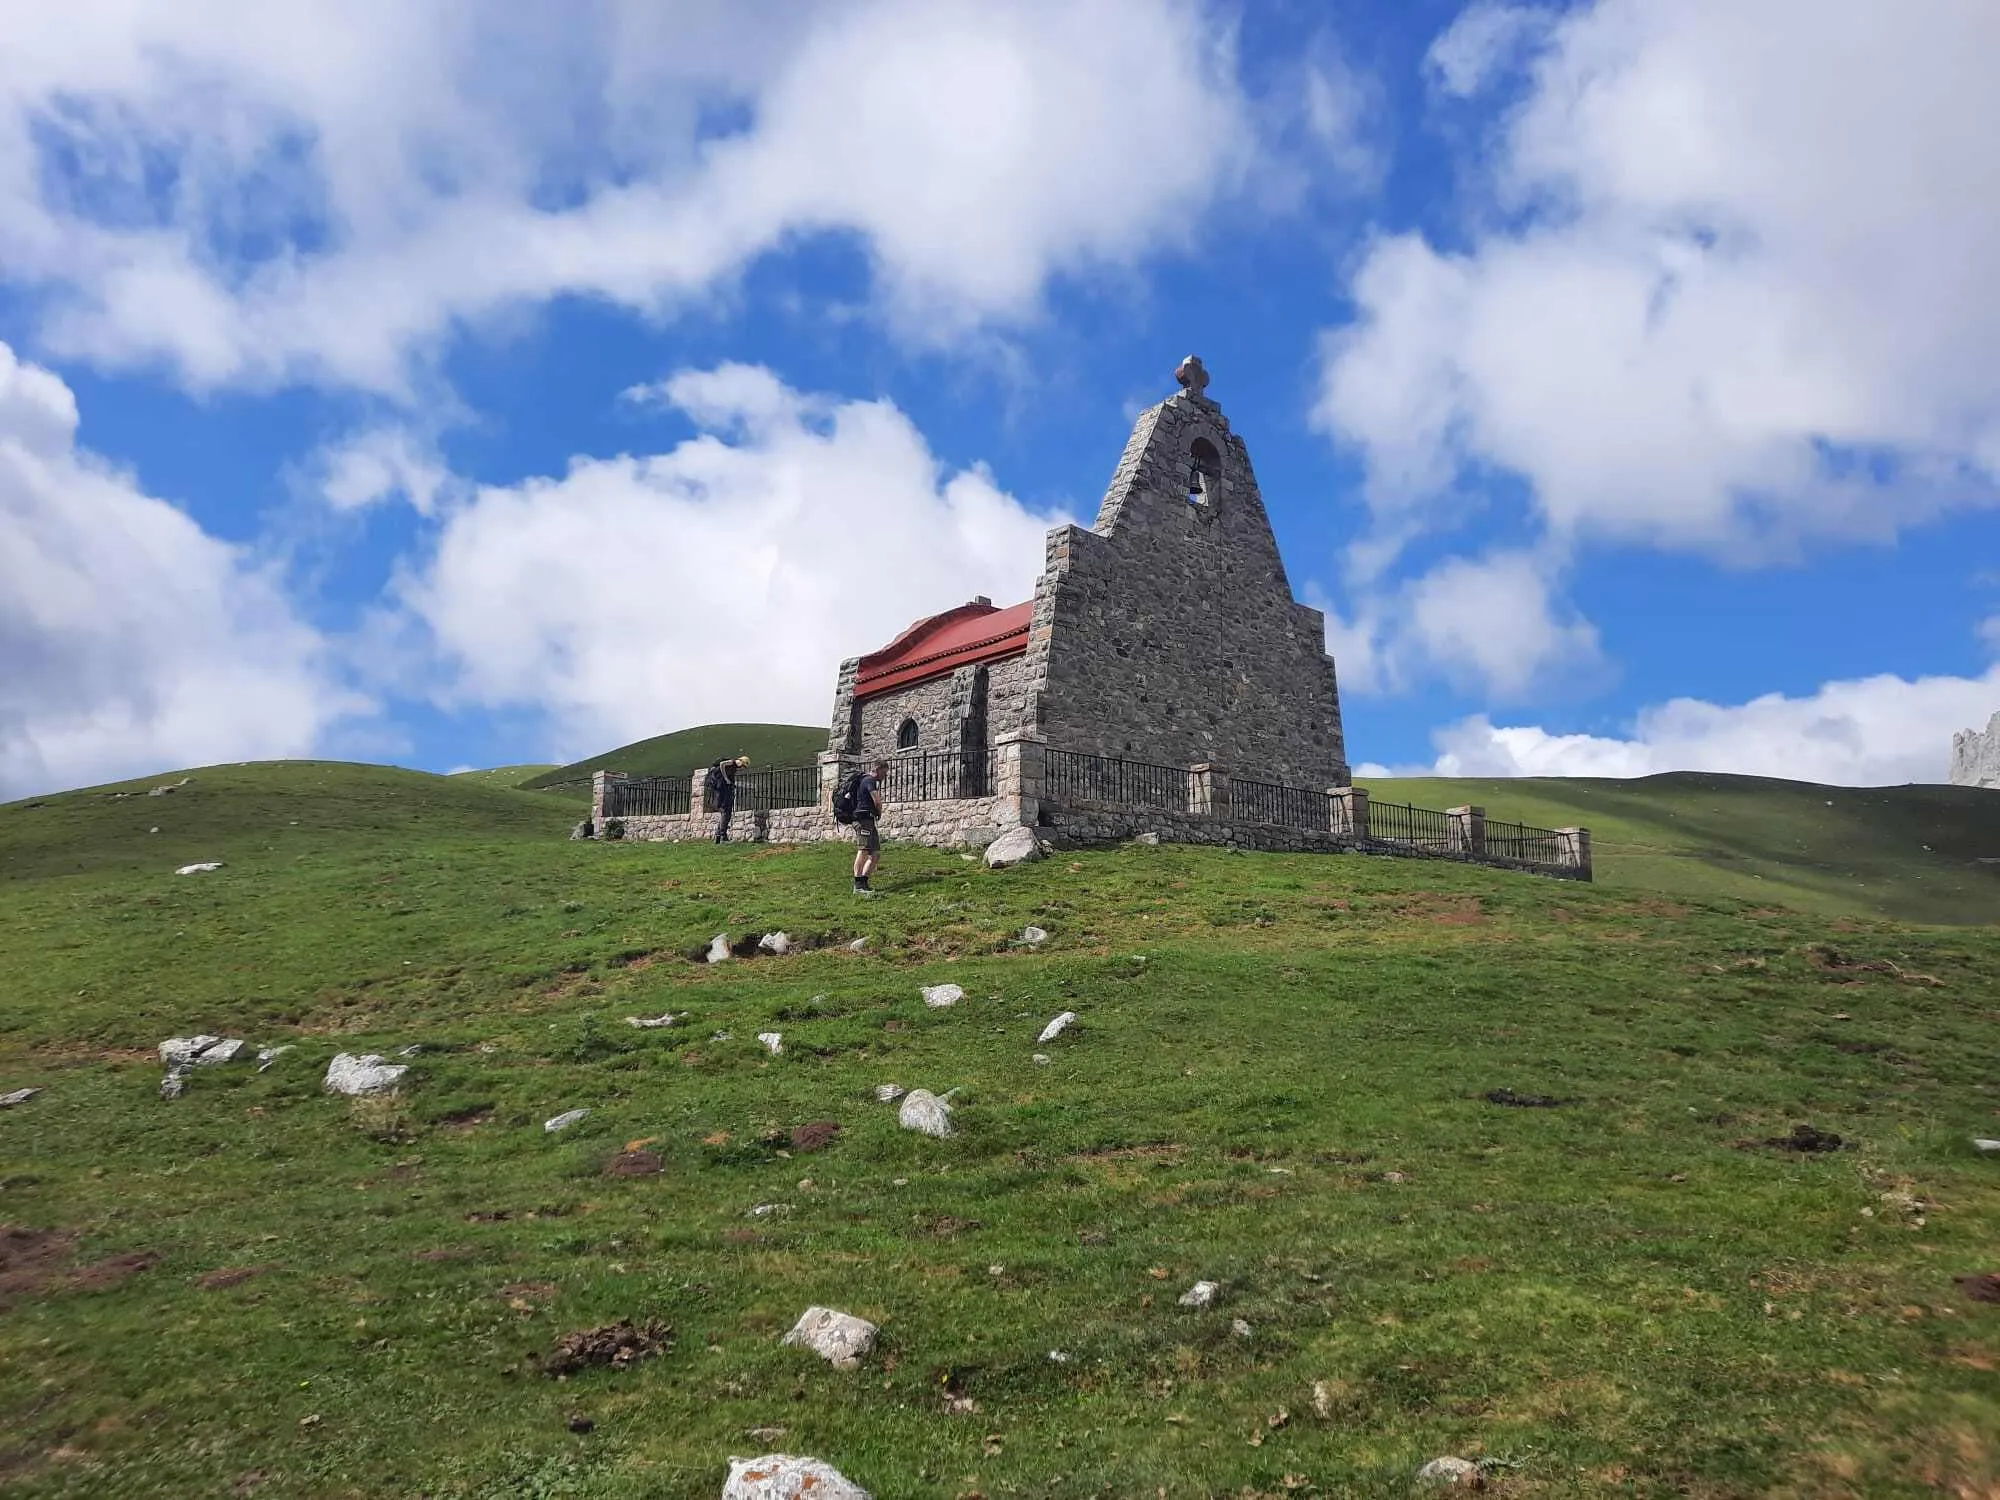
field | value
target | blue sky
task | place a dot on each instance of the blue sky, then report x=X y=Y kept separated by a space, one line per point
x=463 y=387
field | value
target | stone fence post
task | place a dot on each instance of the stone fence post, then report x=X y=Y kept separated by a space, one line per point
x=601 y=783
x=698 y=793
x=1349 y=806
x=1020 y=778
x=829 y=780
x=1208 y=790
x=1468 y=830
x=1573 y=851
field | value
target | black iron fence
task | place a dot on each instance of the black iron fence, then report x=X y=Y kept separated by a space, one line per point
x=777 y=786
x=1525 y=845
x=1072 y=775
x=932 y=775
x=646 y=796
x=1419 y=827
x=1286 y=806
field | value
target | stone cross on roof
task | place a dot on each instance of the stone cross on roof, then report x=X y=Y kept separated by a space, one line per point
x=1193 y=378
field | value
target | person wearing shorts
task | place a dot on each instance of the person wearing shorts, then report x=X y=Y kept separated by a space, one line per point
x=867 y=808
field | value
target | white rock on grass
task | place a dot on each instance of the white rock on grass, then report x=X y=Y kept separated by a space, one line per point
x=774 y=1041
x=666 y=1018
x=1241 y=1329
x=779 y=943
x=1987 y=1146
x=1015 y=846
x=268 y=1055
x=19 y=1096
x=1040 y=1059
x=200 y=869
x=718 y=948
x=940 y=996
x=1034 y=935
x=354 y=1076
x=1448 y=1473
x=859 y=945
x=925 y=1112
x=781 y=1476
x=564 y=1120
x=843 y=1341
x=198 y=1051
x=888 y=1093
x=1057 y=1027
x=1201 y=1294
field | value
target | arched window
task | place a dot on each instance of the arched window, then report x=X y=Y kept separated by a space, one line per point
x=1204 y=469
x=906 y=735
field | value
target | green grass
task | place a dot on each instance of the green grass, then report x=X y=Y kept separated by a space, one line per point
x=1277 y=1083
x=686 y=751
x=1911 y=853
x=508 y=776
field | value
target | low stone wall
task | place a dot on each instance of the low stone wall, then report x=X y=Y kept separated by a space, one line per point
x=953 y=824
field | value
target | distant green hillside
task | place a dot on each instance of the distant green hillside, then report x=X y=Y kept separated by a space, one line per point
x=686 y=751
x=507 y=776
x=1909 y=852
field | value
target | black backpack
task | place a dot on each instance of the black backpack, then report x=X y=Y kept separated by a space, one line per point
x=715 y=781
x=847 y=801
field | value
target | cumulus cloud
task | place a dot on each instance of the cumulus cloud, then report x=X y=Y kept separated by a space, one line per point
x=1735 y=294
x=724 y=579
x=1873 y=731
x=1484 y=40
x=322 y=190
x=132 y=639
x=378 y=464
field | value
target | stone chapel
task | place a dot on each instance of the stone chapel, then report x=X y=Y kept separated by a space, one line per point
x=1165 y=633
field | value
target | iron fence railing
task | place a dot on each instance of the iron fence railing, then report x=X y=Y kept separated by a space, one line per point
x=1524 y=845
x=1078 y=776
x=1418 y=827
x=932 y=775
x=777 y=786
x=1286 y=806
x=646 y=796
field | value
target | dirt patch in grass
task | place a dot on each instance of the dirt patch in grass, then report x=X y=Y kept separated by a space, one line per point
x=1833 y=961
x=1809 y=1139
x=1981 y=1286
x=634 y=1164
x=113 y=1271
x=948 y=1227
x=613 y=1345
x=465 y=1121
x=741 y=1236
x=444 y=1253
x=1523 y=1101
x=815 y=1135
x=37 y=1263
x=1152 y=1151
x=228 y=1276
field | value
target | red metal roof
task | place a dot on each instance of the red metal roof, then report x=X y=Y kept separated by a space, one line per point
x=940 y=645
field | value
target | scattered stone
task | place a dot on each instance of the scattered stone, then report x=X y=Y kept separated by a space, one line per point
x=779 y=943
x=888 y=1093
x=19 y=1096
x=200 y=869
x=1058 y=1357
x=926 y=1112
x=774 y=1041
x=174 y=1084
x=577 y=1422
x=1806 y=1138
x=1522 y=1101
x=841 y=1340
x=198 y=1051
x=1014 y=847
x=1240 y=1329
x=782 y=1476
x=354 y=1076
x=718 y=949
x=563 y=1121
x=1040 y=1059
x=665 y=1018
x=1322 y=1400
x=723 y=1036
x=268 y=1055
x=1057 y=1027
x=634 y=1164
x=1150 y=840
x=1034 y=935
x=1201 y=1294
x=615 y=1344
x=859 y=945
x=1987 y=1146
x=941 y=996
x=765 y=1434
x=814 y=1135
x=1447 y=1473
x=765 y=1210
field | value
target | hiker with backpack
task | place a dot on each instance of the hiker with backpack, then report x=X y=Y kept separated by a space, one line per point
x=859 y=802
x=720 y=786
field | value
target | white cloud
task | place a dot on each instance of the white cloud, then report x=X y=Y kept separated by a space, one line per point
x=722 y=580
x=132 y=640
x=1490 y=623
x=322 y=190
x=1873 y=731
x=1738 y=295
x=377 y=464
x=1485 y=39
x=1988 y=632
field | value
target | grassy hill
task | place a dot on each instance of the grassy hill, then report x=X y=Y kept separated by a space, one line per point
x=1910 y=852
x=1278 y=1081
x=507 y=776
x=686 y=751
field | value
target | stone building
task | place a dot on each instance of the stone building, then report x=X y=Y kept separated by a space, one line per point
x=1166 y=632
x=1975 y=757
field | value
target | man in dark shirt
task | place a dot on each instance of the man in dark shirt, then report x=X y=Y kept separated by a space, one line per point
x=722 y=793
x=867 y=808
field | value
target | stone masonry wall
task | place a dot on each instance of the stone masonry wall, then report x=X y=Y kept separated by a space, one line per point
x=992 y=693
x=966 y=822
x=1167 y=632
